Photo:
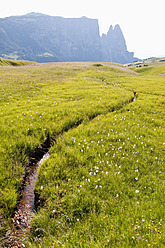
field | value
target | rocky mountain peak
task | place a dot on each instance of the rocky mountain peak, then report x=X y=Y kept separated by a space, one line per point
x=43 y=38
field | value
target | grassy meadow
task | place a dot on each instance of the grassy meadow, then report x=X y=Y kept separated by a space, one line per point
x=103 y=184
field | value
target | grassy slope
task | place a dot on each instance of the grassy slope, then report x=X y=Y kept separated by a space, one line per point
x=8 y=62
x=41 y=100
x=103 y=182
x=148 y=62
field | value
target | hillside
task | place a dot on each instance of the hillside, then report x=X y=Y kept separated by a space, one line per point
x=9 y=62
x=43 y=38
x=153 y=61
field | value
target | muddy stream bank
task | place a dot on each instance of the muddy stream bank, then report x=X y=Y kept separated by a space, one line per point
x=25 y=208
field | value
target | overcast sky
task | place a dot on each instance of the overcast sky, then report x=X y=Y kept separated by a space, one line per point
x=142 y=21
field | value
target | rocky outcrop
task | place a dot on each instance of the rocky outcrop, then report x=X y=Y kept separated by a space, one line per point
x=43 y=38
x=114 y=47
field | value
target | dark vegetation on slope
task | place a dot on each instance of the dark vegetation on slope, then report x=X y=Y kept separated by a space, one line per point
x=9 y=62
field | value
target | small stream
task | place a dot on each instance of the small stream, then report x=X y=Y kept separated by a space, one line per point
x=26 y=207
x=26 y=204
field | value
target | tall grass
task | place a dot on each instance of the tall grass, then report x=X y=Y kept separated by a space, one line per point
x=103 y=183
x=41 y=100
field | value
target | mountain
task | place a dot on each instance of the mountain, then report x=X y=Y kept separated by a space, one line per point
x=42 y=38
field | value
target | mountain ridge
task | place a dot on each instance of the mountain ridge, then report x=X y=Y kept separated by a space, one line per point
x=43 y=38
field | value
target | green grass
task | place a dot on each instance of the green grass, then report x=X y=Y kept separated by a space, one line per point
x=103 y=184
x=150 y=70
x=151 y=62
x=9 y=62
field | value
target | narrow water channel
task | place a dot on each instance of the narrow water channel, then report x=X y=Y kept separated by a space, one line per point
x=26 y=204
x=25 y=207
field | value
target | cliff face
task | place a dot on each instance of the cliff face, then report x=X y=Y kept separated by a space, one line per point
x=114 y=47
x=43 y=38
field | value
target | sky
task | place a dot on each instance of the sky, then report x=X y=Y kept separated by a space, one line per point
x=142 y=21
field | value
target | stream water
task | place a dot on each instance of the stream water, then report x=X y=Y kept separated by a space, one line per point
x=25 y=207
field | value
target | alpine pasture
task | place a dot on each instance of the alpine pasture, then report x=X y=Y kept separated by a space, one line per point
x=103 y=183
